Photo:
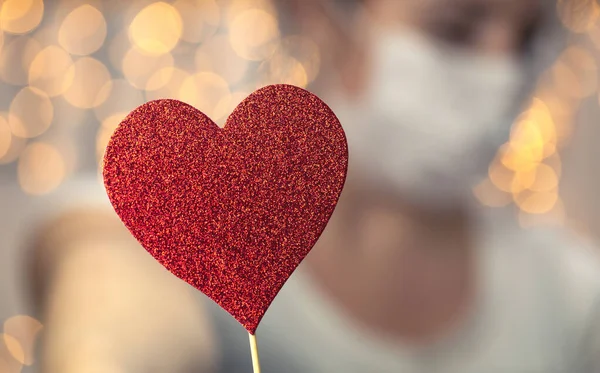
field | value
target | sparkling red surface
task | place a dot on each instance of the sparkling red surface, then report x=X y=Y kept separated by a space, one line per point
x=233 y=210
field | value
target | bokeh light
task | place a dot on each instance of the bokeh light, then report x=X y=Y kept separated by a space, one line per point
x=15 y=59
x=138 y=66
x=16 y=146
x=226 y=105
x=46 y=35
x=201 y=19
x=282 y=69
x=21 y=16
x=166 y=83
x=304 y=51
x=91 y=84
x=24 y=330
x=5 y=136
x=537 y=203
x=204 y=91
x=83 y=30
x=105 y=132
x=489 y=195
x=156 y=29
x=522 y=180
x=123 y=98
x=31 y=113
x=561 y=108
x=52 y=71
x=555 y=162
x=254 y=34
x=213 y=53
x=501 y=177
x=545 y=179
x=575 y=73
x=554 y=217
x=539 y=113
x=577 y=15
x=528 y=167
x=236 y=7
x=14 y=348
x=525 y=148
x=41 y=168
x=8 y=364
x=217 y=55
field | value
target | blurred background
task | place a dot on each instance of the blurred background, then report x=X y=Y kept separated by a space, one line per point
x=70 y=70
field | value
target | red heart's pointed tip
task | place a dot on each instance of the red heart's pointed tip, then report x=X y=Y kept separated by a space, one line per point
x=231 y=211
x=251 y=328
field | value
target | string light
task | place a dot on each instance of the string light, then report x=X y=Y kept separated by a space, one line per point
x=204 y=91
x=165 y=83
x=52 y=71
x=577 y=15
x=254 y=34
x=15 y=59
x=46 y=35
x=226 y=105
x=9 y=347
x=282 y=68
x=138 y=66
x=83 y=30
x=21 y=16
x=200 y=18
x=537 y=203
x=528 y=166
x=41 y=168
x=575 y=73
x=5 y=136
x=91 y=84
x=236 y=7
x=105 y=132
x=21 y=332
x=228 y=40
x=17 y=144
x=123 y=98
x=489 y=195
x=216 y=55
x=501 y=177
x=304 y=51
x=156 y=29
x=554 y=217
x=31 y=113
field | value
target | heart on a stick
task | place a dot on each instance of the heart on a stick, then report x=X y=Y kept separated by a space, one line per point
x=233 y=210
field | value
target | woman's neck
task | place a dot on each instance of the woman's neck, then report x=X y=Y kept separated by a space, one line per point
x=395 y=268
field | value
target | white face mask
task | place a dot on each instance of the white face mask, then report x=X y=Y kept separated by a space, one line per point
x=431 y=120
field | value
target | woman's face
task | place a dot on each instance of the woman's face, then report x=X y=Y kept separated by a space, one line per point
x=502 y=28
x=483 y=26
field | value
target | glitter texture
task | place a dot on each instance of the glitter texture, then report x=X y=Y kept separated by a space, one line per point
x=231 y=211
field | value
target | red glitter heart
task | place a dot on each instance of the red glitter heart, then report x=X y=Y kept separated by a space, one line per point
x=231 y=211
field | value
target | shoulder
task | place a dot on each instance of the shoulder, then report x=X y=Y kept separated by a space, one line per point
x=575 y=262
x=566 y=270
x=571 y=260
x=556 y=256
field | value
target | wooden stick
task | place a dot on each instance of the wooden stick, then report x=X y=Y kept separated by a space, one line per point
x=254 y=352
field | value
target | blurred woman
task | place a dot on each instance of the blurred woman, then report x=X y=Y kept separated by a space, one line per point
x=410 y=275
